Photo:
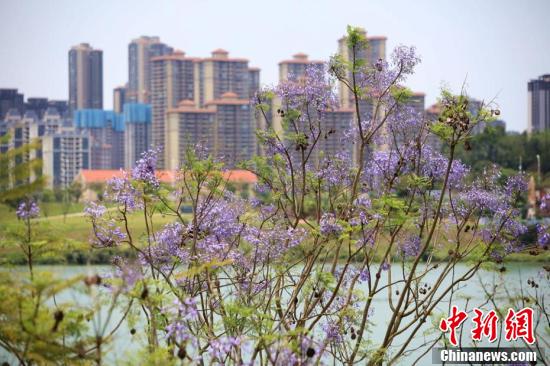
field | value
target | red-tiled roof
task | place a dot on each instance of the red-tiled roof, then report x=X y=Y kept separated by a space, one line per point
x=102 y=176
x=240 y=176
x=166 y=176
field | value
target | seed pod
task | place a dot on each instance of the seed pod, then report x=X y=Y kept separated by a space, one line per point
x=310 y=352
x=182 y=353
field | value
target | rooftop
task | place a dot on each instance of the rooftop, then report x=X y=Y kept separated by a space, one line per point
x=165 y=176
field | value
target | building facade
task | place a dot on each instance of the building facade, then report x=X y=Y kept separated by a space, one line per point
x=538 y=104
x=85 y=77
x=220 y=74
x=65 y=154
x=119 y=98
x=140 y=53
x=11 y=99
x=188 y=125
x=235 y=129
x=137 y=132
x=296 y=67
x=172 y=81
x=106 y=133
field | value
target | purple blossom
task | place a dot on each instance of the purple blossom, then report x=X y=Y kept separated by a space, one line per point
x=405 y=58
x=329 y=225
x=221 y=347
x=168 y=248
x=335 y=170
x=545 y=202
x=121 y=191
x=543 y=235
x=385 y=266
x=95 y=211
x=516 y=184
x=179 y=313
x=332 y=332
x=411 y=246
x=129 y=273
x=27 y=210
x=107 y=234
x=144 y=170
x=364 y=275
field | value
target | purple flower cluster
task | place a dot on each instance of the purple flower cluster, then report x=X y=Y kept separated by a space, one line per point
x=222 y=346
x=179 y=314
x=545 y=202
x=121 y=191
x=329 y=225
x=332 y=332
x=516 y=184
x=105 y=231
x=405 y=58
x=313 y=90
x=107 y=235
x=543 y=236
x=144 y=170
x=27 y=210
x=411 y=246
x=95 y=211
x=335 y=170
x=168 y=248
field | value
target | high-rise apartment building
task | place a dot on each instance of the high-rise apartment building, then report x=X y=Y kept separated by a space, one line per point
x=11 y=99
x=106 y=133
x=60 y=160
x=220 y=74
x=235 y=128
x=137 y=132
x=296 y=67
x=140 y=53
x=61 y=106
x=85 y=77
x=119 y=98
x=335 y=124
x=187 y=126
x=374 y=50
x=538 y=104
x=253 y=81
x=225 y=127
x=65 y=153
x=172 y=81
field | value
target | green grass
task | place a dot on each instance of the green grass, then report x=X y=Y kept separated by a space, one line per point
x=65 y=239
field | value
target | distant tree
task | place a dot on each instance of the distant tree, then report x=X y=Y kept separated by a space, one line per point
x=75 y=191
x=20 y=173
x=495 y=146
x=47 y=196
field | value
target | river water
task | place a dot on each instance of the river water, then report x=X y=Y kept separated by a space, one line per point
x=470 y=294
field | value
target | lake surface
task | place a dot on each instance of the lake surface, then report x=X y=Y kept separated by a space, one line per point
x=471 y=293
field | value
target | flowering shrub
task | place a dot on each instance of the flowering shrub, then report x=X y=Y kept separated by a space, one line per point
x=290 y=276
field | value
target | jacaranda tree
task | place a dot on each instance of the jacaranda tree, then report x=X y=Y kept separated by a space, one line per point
x=292 y=275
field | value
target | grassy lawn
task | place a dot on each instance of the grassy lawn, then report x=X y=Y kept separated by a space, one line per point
x=63 y=238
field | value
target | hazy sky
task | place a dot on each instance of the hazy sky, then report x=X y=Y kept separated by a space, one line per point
x=496 y=46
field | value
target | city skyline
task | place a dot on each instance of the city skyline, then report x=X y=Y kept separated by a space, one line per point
x=466 y=42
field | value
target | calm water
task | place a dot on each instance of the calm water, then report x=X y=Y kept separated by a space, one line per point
x=472 y=292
